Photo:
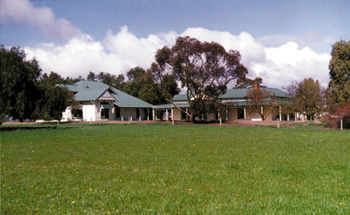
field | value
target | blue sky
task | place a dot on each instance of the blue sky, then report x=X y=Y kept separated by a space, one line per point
x=260 y=18
x=313 y=25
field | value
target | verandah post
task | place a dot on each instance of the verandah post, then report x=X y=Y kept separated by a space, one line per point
x=172 y=116
x=280 y=113
x=341 y=124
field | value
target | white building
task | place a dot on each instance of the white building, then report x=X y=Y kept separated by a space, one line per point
x=98 y=101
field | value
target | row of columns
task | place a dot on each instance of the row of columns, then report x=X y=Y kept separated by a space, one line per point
x=140 y=115
x=166 y=114
x=227 y=111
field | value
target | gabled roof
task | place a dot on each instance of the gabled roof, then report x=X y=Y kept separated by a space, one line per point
x=92 y=90
x=240 y=93
x=126 y=100
x=87 y=90
x=70 y=87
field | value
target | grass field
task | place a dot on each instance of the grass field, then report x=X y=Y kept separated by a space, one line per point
x=164 y=169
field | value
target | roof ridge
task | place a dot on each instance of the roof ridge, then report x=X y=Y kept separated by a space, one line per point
x=130 y=95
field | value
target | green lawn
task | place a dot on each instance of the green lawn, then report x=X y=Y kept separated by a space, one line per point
x=151 y=169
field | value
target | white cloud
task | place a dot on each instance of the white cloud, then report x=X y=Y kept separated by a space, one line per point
x=288 y=63
x=23 y=12
x=131 y=50
x=310 y=38
x=116 y=54
x=119 y=52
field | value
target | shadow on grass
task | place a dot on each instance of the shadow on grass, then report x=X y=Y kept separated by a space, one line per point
x=15 y=128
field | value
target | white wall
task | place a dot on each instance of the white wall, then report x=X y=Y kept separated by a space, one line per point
x=67 y=114
x=89 y=112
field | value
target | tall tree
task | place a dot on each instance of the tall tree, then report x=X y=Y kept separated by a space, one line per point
x=339 y=67
x=18 y=84
x=109 y=79
x=54 y=102
x=136 y=79
x=168 y=87
x=248 y=83
x=49 y=80
x=91 y=76
x=261 y=101
x=54 y=99
x=204 y=69
x=308 y=98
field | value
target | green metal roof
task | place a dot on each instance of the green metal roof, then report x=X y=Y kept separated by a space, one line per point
x=163 y=106
x=240 y=93
x=232 y=103
x=169 y=106
x=92 y=90
x=106 y=106
x=87 y=90
x=180 y=97
x=126 y=100
x=246 y=103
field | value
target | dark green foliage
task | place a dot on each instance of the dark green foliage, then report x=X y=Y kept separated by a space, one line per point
x=168 y=88
x=19 y=84
x=308 y=98
x=149 y=92
x=52 y=79
x=136 y=74
x=137 y=78
x=142 y=84
x=109 y=79
x=27 y=95
x=339 y=67
x=54 y=99
x=91 y=76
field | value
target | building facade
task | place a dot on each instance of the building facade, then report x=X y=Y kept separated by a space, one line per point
x=97 y=101
x=237 y=107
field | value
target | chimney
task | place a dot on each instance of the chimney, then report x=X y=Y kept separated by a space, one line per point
x=256 y=86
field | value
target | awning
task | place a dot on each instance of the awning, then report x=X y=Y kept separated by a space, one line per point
x=106 y=106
